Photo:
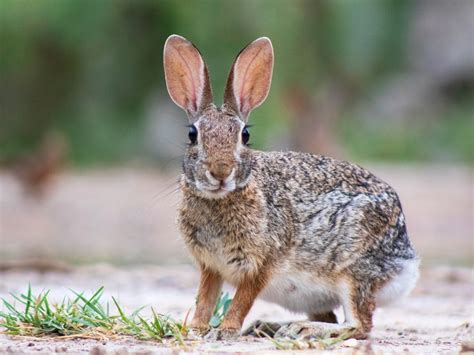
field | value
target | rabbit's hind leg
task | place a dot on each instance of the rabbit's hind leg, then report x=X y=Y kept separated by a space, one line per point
x=358 y=304
x=264 y=329
x=306 y=330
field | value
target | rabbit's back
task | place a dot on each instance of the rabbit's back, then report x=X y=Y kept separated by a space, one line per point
x=312 y=175
x=339 y=212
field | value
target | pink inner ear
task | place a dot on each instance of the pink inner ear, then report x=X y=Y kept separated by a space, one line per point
x=252 y=76
x=245 y=85
x=185 y=77
x=189 y=81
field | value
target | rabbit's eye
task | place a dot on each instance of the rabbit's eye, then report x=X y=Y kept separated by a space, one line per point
x=245 y=135
x=192 y=134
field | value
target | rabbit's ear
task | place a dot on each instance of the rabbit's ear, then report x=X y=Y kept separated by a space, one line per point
x=250 y=77
x=186 y=76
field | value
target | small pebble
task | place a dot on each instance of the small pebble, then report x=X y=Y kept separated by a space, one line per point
x=350 y=343
x=467 y=346
x=98 y=350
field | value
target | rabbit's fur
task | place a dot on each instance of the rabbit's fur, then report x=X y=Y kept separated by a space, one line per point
x=305 y=231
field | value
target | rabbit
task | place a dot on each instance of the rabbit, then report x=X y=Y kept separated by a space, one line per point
x=304 y=231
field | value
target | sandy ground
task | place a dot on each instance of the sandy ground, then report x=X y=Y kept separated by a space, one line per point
x=437 y=318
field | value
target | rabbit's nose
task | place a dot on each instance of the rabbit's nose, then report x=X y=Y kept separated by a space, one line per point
x=220 y=171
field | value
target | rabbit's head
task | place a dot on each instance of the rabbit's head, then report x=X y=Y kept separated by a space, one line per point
x=217 y=160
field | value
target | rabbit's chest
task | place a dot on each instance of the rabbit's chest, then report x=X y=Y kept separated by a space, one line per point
x=232 y=256
x=226 y=235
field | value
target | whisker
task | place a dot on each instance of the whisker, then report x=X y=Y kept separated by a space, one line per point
x=164 y=192
x=180 y=145
x=164 y=165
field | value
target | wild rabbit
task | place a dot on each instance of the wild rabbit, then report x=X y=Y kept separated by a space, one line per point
x=307 y=232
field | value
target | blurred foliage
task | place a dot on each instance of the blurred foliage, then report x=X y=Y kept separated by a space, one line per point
x=450 y=139
x=88 y=68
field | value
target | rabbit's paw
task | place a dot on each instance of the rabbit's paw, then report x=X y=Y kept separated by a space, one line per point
x=263 y=329
x=307 y=330
x=197 y=332
x=222 y=334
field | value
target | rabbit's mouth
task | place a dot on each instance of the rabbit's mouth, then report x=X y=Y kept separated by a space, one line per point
x=218 y=190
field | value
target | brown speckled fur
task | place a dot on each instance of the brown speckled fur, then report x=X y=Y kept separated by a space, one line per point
x=290 y=213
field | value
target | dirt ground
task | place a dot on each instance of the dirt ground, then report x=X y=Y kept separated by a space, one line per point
x=437 y=318
x=125 y=217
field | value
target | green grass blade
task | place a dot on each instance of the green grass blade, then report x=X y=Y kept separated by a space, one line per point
x=91 y=305
x=28 y=302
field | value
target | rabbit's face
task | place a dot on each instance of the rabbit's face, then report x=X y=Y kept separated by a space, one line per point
x=217 y=160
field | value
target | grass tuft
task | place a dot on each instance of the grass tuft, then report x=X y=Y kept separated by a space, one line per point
x=81 y=316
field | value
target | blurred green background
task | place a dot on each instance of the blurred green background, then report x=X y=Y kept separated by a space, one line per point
x=367 y=80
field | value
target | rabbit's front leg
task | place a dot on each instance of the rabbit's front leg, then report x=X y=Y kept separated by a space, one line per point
x=209 y=287
x=247 y=291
